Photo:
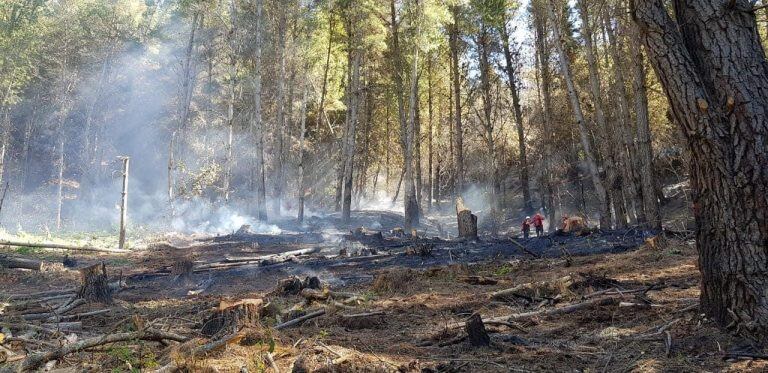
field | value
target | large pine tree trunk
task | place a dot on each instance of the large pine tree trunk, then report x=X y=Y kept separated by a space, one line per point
x=565 y=69
x=714 y=73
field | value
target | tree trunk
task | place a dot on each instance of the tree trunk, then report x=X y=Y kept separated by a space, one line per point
x=467 y=222
x=613 y=161
x=430 y=150
x=258 y=126
x=411 y=208
x=458 y=134
x=355 y=56
x=302 y=155
x=280 y=116
x=545 y=101
x=60 y=189
x=514 y=91
x=124 y=204
x=565 y=67
x=644 y=160
x=715 y=75
x=231 y=104
x=632 y=189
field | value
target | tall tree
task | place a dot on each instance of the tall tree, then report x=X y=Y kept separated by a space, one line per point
x=513 y=82
x=458 y=133
x=565 y=70
x=715 y=75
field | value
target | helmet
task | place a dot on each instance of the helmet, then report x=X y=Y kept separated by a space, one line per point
x=527 y=217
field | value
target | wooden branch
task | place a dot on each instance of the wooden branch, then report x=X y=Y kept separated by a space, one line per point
x=50 y=245
x=299 y=320
x=34 y=361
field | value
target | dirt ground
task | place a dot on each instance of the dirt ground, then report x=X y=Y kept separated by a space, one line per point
x=640 y=315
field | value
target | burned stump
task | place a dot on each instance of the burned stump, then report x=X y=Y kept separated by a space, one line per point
x=420 y=249
x=231 y=317
x=476 y=332
x=466 y=220
x=293 y=285
x=181 y=271
x=95 y=284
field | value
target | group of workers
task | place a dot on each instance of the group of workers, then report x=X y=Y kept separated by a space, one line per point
x=537 y=222
x=569 y=224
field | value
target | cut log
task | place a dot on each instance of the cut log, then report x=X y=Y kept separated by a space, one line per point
x=49 y=245
x=476 y=332
x=95 y=285
x=467 y=221
x=22 y=263
x=478 y=280
x=232 y=317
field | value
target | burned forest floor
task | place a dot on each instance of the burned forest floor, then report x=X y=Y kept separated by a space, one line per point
x=372 y=299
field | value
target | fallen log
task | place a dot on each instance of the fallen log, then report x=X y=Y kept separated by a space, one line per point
x=50 y=245
x=40 y=294
x=21 y=263
x=272 y=256
x=525 y=249
x=34 y=361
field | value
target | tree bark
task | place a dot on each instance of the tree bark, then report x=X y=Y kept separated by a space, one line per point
x=715 y=75
x=565 y=69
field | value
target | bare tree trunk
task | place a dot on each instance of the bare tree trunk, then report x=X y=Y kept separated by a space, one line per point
x=565 y=67
x=545 y=101
x=458 y=134
x=715 y=75
x=612 y=158
x=355 y=56
x=60 y=190
x=483 y=43
x=411 y=203
x=258 y=126
x=632 y=188
x=513 y=89
x=281 y=123
x=430 y=150
x=324 y=90
x=644 y=160
x=124 y=204
x=302 y=156
x=231 y=104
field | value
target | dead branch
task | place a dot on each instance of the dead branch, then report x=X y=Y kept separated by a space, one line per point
x=300 y=320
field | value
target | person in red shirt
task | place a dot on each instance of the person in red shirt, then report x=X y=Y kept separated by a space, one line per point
x=527 y=227
x=538 y=223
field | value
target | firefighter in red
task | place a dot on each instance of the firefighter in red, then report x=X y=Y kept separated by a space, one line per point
x=527 y=227
x=538 y=223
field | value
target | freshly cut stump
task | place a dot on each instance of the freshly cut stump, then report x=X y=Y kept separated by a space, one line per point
x=476 y=332
x=466 y=220
x=95 y=284
x=232 y=317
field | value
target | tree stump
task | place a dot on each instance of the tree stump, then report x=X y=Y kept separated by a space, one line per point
x=181 y=271
x=95 y=284
x=475 y=329
x=231 y=317
x=467 y=221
